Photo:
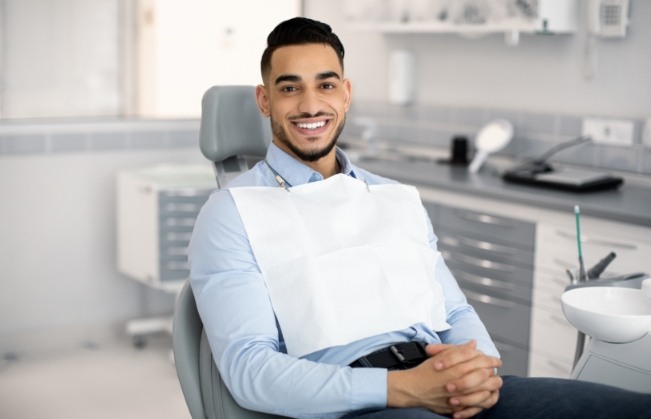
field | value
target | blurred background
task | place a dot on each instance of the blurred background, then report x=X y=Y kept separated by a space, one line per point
x=93 y=88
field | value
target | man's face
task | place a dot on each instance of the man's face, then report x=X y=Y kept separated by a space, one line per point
x=307 y=98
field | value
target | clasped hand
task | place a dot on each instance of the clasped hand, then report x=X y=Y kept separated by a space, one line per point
x=456 y=379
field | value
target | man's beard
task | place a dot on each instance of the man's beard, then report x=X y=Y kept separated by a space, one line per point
x=308 y=156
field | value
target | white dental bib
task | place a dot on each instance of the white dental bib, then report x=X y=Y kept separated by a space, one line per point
x=342 y=261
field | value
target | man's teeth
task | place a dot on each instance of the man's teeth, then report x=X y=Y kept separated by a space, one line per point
x=313 y=125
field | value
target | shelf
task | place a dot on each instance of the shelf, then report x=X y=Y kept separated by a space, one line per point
x=463 y=17
x=436 y=27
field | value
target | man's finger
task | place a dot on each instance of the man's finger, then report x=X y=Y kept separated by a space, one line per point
x=456 y=355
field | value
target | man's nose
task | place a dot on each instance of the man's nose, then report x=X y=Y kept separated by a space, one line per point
x=310 y=102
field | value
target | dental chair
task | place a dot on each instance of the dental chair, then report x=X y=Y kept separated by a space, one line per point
x=233 y=134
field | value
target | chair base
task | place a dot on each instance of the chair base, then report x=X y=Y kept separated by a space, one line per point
x=139 y=329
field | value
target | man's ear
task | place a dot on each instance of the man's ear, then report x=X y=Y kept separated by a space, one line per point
x=262 y=98
x=348 y=89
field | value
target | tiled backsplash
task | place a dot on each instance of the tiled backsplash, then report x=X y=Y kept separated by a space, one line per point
x=535 y=133
x=20 y=138
x=427 y=125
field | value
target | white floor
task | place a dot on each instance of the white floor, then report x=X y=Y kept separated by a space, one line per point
x=109 y=380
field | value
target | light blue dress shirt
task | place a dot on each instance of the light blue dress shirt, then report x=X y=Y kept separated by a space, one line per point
x=244 y=336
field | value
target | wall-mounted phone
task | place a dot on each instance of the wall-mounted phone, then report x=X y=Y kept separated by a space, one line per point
x=608 y=18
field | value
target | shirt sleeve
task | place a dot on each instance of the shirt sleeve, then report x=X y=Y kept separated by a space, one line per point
x=241 y=327
x=461 y=316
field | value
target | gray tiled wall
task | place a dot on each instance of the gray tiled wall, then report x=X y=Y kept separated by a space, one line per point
x=34 y=138
x=535 y=133
x=431 y=125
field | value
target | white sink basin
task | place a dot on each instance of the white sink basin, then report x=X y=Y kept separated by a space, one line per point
x=611 y=314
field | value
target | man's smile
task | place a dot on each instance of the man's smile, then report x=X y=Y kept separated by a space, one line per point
x=313 y=127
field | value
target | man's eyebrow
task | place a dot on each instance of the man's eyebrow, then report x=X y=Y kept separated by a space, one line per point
x=328 y=75
x=287 y=77
x=294 y=78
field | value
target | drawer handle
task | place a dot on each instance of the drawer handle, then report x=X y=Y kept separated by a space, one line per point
x=484 y=219
x=483 y=263
x=482 y=280
x=478 y=244
x=179 y=207
x=561 y=281
x=187 y=192
x=559 y=319
x=484 y=245
x=177 y=266
x=179 y=222
x=503 y=347
x=487 y=299
x=185 y=237
x=177 y=251
x=565 y=369
x=586 y=239
x=564 y=263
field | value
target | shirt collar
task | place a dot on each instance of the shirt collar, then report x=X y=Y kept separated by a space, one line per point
x=297 y=173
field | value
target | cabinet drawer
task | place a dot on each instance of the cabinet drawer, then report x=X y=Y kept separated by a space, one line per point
x=181 y=203
x=515 y=284
x=432 y=212
x=558 y=251
x=486 y=226
x=178 y=209
x=461 y=243
x=515 y=360
x=545 y=366
x=505 y=319
x=174 y=270
x=552 y=334
x=548 y=290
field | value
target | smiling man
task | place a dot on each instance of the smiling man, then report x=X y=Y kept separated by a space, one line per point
x=306 y=97
x=320 y=285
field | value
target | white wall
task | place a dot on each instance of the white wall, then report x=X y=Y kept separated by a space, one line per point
x=60 y=58
x=188 y=45
x=58 y=280
x=542 y=74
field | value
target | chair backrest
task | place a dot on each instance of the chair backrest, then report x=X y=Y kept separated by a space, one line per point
x=186 y=338
x=232 y=129
x=203 y=388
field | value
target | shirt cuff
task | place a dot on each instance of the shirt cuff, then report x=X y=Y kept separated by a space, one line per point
x=369 y=388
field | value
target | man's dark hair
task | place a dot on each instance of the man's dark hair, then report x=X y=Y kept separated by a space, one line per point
x=299 y=31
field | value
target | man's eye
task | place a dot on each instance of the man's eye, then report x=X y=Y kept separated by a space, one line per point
x=327 y=86
x=289 y=89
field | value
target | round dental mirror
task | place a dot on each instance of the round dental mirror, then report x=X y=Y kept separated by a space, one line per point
x=490 y=139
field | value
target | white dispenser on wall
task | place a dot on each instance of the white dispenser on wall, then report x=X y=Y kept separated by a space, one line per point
x=402 y=77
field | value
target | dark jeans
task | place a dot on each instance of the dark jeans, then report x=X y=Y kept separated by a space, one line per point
x=544 y=398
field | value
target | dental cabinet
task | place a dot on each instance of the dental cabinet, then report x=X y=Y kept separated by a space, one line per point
x=156 y=211
x=539 y=244
x=492 y=256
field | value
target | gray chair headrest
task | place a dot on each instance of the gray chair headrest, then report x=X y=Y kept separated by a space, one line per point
x=231 y=124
